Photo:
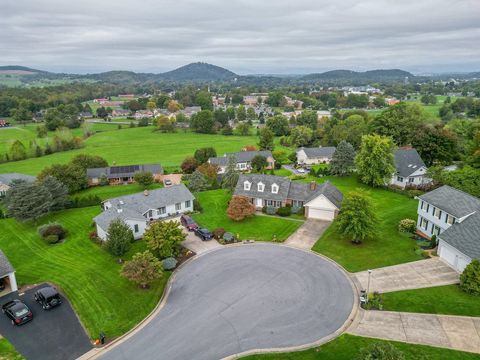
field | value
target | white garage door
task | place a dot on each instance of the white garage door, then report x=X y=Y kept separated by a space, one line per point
x=448 y=255
x=320 y=214
x=455 y=259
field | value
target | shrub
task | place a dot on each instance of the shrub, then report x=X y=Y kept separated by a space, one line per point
x=270 y=210
x=380 y=351
x=51 y=239
x=142 y=122
x=92 y=235
x=52 y=229
x=433 y=241
x=169 y=263
x=228 y=236
x=407 y=226
x=284 y=211
x=375 y=302
x=84 y=201
x=197 y=206
x=470 y=278
x=218 y=233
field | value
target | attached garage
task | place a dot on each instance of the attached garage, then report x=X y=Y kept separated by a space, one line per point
x=452 y=256
x=320 y=208
x=8 y=282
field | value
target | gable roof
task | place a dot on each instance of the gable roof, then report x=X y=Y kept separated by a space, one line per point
x=465 y=236
x=319 y=152
x=134 y=206
x=240 y=157
x=5 y=266
x=455 y=202
x=9 y=177
x=300 y=191
x=407 y=161
x=112 y=172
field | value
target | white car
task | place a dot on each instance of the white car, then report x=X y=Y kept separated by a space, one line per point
x=301 y=171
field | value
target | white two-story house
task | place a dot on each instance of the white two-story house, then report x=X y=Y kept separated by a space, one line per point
x=243 y=160
x=410 y=169
x=454 y=217
x=138 y=210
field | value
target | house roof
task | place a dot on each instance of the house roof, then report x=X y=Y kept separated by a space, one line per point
x=319 y=152
x=288 y=189
x=455 y=202
x=407 y=161
x=465 y=236
x=113 y=172
x=5 y=266
x=9 y=177
x=240 y=157
x=132 y=207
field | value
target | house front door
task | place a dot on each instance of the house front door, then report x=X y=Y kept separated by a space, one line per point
x=259 y=203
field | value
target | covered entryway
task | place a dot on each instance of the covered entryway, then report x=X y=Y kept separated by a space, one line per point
x=8 y=282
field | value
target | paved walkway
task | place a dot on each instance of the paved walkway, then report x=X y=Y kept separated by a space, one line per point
x=307 y=234
x=413 y=275
x=454 y=332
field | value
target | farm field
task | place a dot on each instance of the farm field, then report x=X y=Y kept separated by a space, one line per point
x=135 y=145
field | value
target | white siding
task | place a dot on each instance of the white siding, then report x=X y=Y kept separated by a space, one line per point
x=452 y=256
x=13 y=281
x=321 y=208
x=432 y=220
x=102 y=234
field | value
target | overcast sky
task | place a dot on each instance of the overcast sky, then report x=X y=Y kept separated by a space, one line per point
x=245 y=36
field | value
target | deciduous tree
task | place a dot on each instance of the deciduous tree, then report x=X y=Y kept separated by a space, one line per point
x=163 y=238
x=240 y=208
x=144 y=178
x=265 y=139
x=357 y=218
x=374 y=162
x=143 y=269
x=119 y=238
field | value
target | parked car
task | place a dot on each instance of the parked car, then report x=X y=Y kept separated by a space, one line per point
x=2 y=284
x=167 y=182
x=301 y=171
x=203 y=234
x=17 y=311
x=188 y=222
x=48 y=297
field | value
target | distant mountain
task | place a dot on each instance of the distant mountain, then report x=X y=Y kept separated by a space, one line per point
x=198 y=72
x=20 y=70
x=366 y=76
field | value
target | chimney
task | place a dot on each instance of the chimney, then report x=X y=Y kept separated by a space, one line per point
x=145 y=192
x=313 y=185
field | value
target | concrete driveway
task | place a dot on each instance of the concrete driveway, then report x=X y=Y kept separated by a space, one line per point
x=307 y=234
x=197 y=245
x=455 y=332
x=294 y=171
x=240 y=298
x=413 y=275
x=55 y=334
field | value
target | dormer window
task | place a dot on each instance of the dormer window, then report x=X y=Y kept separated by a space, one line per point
x=246 y=185
x=260 y=187
x=274 y=189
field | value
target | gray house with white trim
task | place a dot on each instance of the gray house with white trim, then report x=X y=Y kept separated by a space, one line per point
x=410 y=169
x=243 y=160
x=313 y=156
x=140 y=209
x=7 y=274
x=454 y=217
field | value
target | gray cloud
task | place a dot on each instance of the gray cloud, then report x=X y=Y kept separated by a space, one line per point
x=246 y=36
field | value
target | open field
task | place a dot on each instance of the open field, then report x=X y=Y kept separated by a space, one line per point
x=111 y=191
x=136 y=145
x=389 y=247
x=88 y=275
x=446 y=300
x=347 y=347
x=262 y=228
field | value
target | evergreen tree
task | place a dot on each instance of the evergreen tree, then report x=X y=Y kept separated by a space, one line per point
x=230 y=178
x=27 y=201
x=119 y=238
x=198 y=182
x=265 y=139
x=343 y=159
x=58 y=192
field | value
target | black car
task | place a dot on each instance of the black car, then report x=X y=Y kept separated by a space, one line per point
x=48 y=297
x=17 y=311
x=203 y=234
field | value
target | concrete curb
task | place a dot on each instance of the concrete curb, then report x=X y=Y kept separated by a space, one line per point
x=97 y=352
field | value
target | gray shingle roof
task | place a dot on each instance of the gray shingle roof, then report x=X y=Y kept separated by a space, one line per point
x=319 y=152
x=465 y=236
x=123 y=170
x=241 y=156
x=288 y=189
x=5 y=266
x=9 y=177
x=452 y=201
x=407 y=161
x=135 y=205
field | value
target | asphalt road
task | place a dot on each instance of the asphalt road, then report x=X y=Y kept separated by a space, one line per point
x=54 y=334
x=241 y=298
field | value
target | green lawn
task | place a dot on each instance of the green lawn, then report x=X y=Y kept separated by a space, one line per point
x=347 y=347
x=7 y=351
x=282 y=172
x=389 y=247
x=447 y=300
x=88 y=275
x=108 y=192
x=136 y=145
x=261 y=228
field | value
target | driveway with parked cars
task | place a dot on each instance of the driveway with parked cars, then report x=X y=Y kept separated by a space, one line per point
x=299 y=171
x=54 y=334
x=244 y=297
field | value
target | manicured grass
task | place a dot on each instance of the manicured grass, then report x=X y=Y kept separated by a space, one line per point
x=261 y=228
x=88 y=275
x=348 y=347
x=111 y=191
x=389 y=247
x=447 y=300
x=137 y=145
x=7 y=351
x=282 y=172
